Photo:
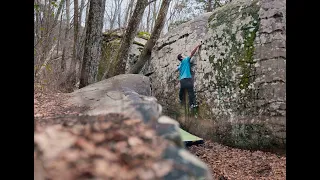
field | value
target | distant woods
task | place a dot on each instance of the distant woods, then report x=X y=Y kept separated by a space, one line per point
x=68 y=35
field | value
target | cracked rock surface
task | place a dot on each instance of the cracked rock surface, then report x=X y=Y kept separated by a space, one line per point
x=239 y=73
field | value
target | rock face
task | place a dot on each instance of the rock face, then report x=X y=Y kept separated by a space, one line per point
x=130 y=95
x=239 y=73
x=111 y=44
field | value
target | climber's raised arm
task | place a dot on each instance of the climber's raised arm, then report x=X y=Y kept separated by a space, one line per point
x=194 y=50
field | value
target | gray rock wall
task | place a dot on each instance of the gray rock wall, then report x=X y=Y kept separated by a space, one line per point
x=239 y=72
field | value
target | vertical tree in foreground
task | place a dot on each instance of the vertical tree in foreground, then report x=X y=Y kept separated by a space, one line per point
x=71 y=77
x=93 y=41
x=131 y=31
x=146 y=52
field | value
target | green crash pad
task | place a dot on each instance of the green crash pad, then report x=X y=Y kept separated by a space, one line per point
x=190 y=139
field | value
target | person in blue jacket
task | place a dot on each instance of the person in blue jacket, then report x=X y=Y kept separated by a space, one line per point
x=185 y=77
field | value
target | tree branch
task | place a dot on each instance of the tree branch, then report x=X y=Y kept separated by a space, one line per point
x=46 y=61
x=151 y=2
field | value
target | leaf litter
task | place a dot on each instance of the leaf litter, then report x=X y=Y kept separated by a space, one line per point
x=114 y=147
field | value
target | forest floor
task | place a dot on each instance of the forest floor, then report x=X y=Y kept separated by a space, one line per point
x=232 y=163
x=224 y=162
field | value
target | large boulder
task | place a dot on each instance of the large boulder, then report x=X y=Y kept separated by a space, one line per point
x=130 y=95
x=239 y=73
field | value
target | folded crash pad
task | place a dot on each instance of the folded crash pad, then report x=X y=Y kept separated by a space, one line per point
x=190 y=139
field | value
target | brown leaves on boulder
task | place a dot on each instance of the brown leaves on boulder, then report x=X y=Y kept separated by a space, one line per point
x=109 y=148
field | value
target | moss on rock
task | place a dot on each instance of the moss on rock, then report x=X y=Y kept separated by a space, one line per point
x=144 y=35
x=137 y=43
x=109 y=50
x=234 y=29
x=248 y=136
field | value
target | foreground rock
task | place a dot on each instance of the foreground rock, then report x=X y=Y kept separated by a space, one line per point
x=239 y=73
x=110 y=147
x=120 y=129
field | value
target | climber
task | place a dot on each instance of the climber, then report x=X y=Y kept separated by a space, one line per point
x=186 y=81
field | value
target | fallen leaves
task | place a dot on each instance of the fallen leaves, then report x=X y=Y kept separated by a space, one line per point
x=108 y=147
x=52 y=141
x=134 y=141
x=114 y=147
x=50 y=104
x=236 y=164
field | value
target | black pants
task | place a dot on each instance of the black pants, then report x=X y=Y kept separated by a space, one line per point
x=187 y=84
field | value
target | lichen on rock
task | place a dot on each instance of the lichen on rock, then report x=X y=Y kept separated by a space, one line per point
x=239 y=72
x=110 y=48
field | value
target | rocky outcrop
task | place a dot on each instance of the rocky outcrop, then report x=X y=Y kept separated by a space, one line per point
x=111 y=45
x=130 y=95
x=239 y=73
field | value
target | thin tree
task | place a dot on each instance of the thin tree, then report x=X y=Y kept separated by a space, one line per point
x=71 y=78
x=148 y=19
x=112 y=17
x=128 y=12
x=80 y=12
x=64 y=49
x=209 y=6
x=131 y=31
x=146 y=52
x=119 y=15
x=154 y=15
x=93 y=41
x=59 y=35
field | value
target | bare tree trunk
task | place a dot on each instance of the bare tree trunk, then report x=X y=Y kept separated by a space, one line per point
x=37 y=35
x=80 y=12
x=141 y=28
x=71 y=77
x=59 y=36
x=36 y=25
x=80 y=27
x=148 y=19
x=209 y=6
x=45 y=29
x=43 y=19
x=131 y=31
x=128 y=12
x=119 y=15
x=82 y=40
x=154 y=15
x=87 y=10
x=58 y=12
x=64 y=50
x=146 y=52
x=113 y=15
x=46 y=61
x=50 y=22
x=93 y=42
